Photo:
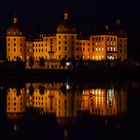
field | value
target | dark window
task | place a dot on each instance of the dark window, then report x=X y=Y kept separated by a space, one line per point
x=72 y=48
x=65 y=48
x=65 y=42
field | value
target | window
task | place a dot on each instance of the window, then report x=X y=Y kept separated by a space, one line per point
x=14 y=50
x=65 y=42
x=59 y=48
x=59 y=36
x=14 y=44
x=92 y=44
x=59 y=42
x=14 y=39
x=65 y=48
x=72 y=48
x=93 y=49
x=114 y=49
x=65 y=36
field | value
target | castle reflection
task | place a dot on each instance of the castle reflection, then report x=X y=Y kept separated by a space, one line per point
x=66 y=100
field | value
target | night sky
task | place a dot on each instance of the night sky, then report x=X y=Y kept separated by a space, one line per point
x=43 y=15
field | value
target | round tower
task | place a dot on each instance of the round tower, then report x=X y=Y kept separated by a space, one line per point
x=15 y=41
x=66 y=35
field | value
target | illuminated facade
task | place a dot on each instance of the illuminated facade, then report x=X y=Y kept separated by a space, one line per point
x=66 y=43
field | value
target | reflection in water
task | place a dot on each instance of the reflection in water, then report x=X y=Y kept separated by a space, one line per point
x=66 y=102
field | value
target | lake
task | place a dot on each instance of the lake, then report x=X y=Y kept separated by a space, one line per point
x=69 y=110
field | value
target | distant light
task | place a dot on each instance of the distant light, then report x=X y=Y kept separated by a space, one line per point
x=1 y=88
x=67 y=87
x=67 y=63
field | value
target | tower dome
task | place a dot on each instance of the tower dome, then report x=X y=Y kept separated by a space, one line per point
x=14 y=29
x=66 y=25
x=119 y=30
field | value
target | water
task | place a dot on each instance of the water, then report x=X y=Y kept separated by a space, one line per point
x=69 y=110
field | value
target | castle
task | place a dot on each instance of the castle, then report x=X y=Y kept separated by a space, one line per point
x=65 y=44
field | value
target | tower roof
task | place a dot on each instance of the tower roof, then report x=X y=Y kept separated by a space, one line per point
x=14 y=29
x=119 y=30
x=66 y=25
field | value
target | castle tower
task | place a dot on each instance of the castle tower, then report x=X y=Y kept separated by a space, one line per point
x=66 y=35
x=15 y=41
x=122 y=40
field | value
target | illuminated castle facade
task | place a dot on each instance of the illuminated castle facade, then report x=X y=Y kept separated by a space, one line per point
x=66 y=43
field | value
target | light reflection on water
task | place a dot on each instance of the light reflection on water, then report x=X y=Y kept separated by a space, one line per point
x=65 y=106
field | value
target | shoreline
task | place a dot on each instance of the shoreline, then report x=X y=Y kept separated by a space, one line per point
x=101 y=74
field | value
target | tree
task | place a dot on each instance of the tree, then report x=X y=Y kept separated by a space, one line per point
x=42 y=62
x=31 y=89
x=63 y=62
x=31 y=62
x=41 y=89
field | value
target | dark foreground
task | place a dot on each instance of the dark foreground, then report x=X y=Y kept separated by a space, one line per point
x=74 y=74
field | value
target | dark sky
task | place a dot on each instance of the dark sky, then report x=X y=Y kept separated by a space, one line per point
x=44 y=15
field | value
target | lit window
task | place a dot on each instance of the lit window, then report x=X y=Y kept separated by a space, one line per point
x=99 y=49
x=114 y=43
x=114 y=49
x=111 y=48
x=96 y=49
x=107 y=48
x=96 y=43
